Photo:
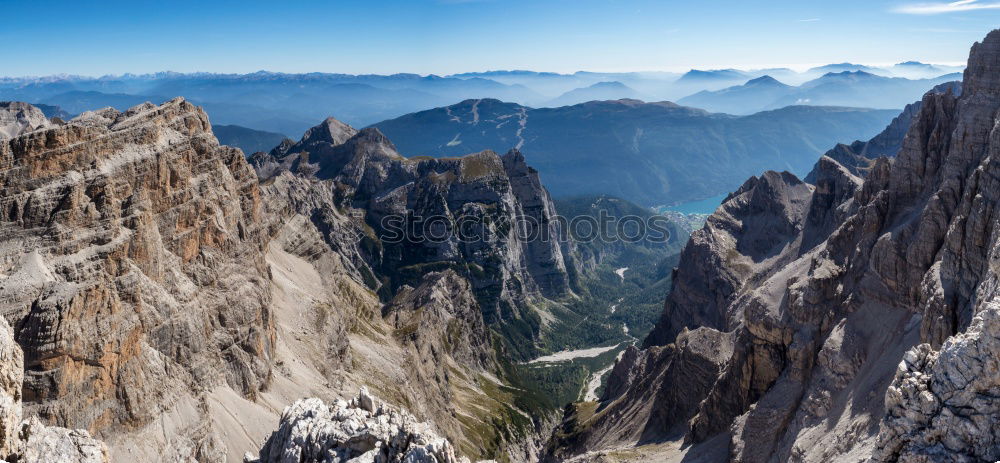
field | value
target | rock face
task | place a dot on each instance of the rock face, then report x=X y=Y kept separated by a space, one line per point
x=363 y=429
x=651 y=388
x=363 y=217
x=162 y=293
x=17 y=118
x=941 y=406
x=826 y=288
x=131 y=265
x=30 y=440
x=404 y=213
x=442 y=308
x=745 y=236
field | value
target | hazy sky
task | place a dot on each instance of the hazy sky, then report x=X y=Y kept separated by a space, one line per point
x=448 y=36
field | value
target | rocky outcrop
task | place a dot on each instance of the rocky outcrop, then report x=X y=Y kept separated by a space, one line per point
x=486 y=217
x=17 y=118
x=363 y=429
x=859 y=156
x=131 y=266
x=747 y=237
x=59 y=445
x=29 y=440
x=942 y=404
x=650 y=389
x=824 y=299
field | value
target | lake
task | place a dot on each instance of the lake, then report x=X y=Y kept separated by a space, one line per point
x=704 y=206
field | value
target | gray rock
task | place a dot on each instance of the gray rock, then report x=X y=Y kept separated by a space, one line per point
x=942 y=405
x=17 y=118
x=58 y=445
x=361 y=430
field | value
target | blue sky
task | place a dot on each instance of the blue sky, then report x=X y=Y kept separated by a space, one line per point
x=447 y=36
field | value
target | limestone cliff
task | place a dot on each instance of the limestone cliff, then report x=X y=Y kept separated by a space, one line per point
x=28 y=440
x=132 y=265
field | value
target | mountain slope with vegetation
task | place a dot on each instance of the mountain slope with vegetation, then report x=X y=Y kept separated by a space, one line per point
x=648 y=153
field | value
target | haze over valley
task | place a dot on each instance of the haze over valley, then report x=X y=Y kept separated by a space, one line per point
x=425 y=235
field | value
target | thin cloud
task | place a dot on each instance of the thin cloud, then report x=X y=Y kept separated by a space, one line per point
x=952 y=7
x=810 y=20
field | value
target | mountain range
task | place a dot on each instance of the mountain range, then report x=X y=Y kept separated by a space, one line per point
x=201 y=291
x=648 y=153
x=404 y=293
x=290 y=103
x=845 y=88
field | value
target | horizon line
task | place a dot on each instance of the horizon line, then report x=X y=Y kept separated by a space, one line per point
x=797 y=68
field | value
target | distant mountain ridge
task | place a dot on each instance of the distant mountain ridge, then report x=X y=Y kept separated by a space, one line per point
x=612 y=90
x=289 y=103
x=844 y=88
x=275 y=102
x=648 y=153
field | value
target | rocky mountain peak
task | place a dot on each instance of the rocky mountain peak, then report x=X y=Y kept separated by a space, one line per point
x=514 y=161
x=330 y=131
x=17 y=118
x=374 y=140
x=982 y=74
x=765 y=81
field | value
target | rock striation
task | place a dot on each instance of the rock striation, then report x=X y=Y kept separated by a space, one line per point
x=363 y=429
x=861 y=306
x=131 y=265
x=28 y=440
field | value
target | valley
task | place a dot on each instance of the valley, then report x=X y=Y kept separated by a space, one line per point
x=424 y=235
